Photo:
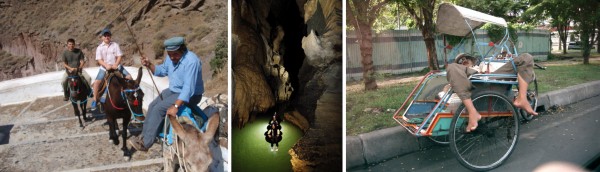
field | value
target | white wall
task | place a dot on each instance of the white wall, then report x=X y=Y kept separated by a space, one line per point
x=48 y=85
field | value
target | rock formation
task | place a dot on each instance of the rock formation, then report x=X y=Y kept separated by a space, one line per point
x=294 y=49
x=38 y=30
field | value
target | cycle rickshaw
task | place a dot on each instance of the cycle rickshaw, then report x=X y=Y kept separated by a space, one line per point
x=432 y=109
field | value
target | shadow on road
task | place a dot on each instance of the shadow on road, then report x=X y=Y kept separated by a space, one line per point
x=5 y=133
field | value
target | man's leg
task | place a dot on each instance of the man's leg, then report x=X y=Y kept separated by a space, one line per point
x=125 y=73
x=99 y=77
x=156 y=116
x=95 y=92
x=474 y=116
x=521 y=101
x=525 y=75
x=458 y=77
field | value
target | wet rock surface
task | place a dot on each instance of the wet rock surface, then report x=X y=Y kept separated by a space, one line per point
x=320 y=148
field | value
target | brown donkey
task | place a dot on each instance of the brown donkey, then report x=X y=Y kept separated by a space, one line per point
x=124 y=98
x=78 y=93
x=196 y=152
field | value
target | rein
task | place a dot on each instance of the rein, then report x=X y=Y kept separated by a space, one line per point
x=123 y=92
x=179 y=153
x=134 y=115
x=77 y=91
x=108 y=92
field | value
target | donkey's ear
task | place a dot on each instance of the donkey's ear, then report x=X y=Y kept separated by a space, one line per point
x=211 y=128
x=139 y=76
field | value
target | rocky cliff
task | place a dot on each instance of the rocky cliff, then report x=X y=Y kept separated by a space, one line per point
x=37 y=30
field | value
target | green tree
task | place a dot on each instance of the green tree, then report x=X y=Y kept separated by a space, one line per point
x=220 y=60
x=597 y=33
x=392 y=17
x=421 y=12
x=361 y=14
x=559 y=11
x=586 y=15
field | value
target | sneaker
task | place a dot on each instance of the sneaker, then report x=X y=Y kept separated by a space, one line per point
x=137 y=144
x=65 y=99
x=93 y=106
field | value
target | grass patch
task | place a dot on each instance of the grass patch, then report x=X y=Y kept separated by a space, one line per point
x=392 y=97
x=559 y=77
x=358 y=121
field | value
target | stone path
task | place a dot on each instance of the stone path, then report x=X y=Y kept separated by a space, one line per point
x=44 y=135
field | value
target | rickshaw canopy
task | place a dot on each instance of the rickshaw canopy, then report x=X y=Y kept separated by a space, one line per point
x=455 y=20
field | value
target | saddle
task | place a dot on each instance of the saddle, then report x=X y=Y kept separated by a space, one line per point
x=104 y=81
x=187 y=116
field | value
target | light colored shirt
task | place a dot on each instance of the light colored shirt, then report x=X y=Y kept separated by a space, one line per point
x=108 y=52
x=185 y=77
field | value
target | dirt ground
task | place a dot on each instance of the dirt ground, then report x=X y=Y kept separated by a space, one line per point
x=45 y=136
x=359 y=86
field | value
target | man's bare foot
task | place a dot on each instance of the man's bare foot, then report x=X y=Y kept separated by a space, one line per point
x=525 y=106
x=473 y=122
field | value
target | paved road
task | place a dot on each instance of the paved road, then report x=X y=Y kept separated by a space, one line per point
x=569 y=134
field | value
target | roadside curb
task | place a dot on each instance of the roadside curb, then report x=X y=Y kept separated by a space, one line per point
x=569 y=95
x=391 y=142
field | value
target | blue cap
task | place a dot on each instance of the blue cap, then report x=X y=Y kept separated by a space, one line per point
x=174 y=43
x=104 y=31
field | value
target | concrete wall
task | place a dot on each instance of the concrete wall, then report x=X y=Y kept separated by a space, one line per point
x=48 y=84
x=403 y=51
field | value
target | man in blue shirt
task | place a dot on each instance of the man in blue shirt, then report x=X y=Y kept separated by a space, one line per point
x=186 y=87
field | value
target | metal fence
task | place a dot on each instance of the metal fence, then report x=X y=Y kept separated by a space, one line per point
x=403 y=51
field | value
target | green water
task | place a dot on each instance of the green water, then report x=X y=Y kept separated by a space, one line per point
x=252 y=153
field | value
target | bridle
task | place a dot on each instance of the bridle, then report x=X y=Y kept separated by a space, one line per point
x=74 y=88
x=135 y=103
x=124 y=95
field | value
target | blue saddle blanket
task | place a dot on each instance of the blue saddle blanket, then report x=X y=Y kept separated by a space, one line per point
x=186 y=112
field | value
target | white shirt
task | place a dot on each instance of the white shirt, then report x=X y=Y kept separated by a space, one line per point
x=108 y=52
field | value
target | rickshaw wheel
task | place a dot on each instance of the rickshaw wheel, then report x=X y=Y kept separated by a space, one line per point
x=495 y=138
x=532 y=97
x=443 y=140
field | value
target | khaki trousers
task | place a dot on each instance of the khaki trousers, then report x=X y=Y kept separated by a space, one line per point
x=458 y=74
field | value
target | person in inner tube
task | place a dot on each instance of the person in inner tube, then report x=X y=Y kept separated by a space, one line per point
x=273 y=136
x=275 y=121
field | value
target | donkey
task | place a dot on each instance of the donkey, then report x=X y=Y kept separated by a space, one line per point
x=78 y=94
x=124 y=99
x=196 y=153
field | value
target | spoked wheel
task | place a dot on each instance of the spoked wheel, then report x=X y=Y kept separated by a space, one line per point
x=443 y=140
x=495 y=138
x=532 y=97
